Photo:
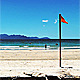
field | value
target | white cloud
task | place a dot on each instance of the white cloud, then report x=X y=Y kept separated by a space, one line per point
x=43 y=25
x=55 y=21
x=44 y=20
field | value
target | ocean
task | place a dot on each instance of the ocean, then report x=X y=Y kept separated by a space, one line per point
x=41 y=43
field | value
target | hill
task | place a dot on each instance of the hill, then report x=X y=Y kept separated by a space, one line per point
x=5 y=36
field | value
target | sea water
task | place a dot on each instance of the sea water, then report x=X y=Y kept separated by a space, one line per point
x=41 y=43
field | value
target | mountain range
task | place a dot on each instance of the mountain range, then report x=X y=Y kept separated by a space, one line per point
x=5 y=36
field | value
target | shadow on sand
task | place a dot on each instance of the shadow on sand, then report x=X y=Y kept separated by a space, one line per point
x=37 y=78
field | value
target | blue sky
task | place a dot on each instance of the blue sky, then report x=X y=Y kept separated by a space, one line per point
x=25 y=17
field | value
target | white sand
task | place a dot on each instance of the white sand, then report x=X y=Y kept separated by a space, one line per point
x=46 y=62
x=40 y=54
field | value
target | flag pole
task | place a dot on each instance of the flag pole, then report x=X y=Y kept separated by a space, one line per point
x=60 y=40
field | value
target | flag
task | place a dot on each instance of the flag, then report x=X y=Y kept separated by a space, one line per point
x=63 y=20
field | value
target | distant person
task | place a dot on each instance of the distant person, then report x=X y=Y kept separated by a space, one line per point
x=45 y=46
x=56 y=44
x=30 y=43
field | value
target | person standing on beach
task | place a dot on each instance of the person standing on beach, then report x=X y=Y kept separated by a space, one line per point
x=45 y=46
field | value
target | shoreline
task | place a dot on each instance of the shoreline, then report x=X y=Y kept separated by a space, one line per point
x=36 y=48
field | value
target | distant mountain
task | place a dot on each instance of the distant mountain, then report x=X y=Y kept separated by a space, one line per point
x=5 y=36
x=45 y=38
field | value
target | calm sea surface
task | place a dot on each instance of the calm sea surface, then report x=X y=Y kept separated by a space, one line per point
x=41 y=43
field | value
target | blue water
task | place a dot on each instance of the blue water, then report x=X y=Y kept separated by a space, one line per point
x=41 y=43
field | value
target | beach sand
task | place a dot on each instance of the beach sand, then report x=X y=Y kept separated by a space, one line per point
x=39 y=63
x=39 y=54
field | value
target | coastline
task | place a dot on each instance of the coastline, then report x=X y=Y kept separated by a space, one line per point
x=36 y=48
